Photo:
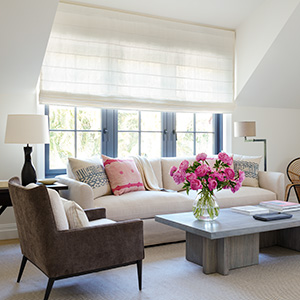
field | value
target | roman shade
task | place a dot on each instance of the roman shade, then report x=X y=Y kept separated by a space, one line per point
x=112 y=59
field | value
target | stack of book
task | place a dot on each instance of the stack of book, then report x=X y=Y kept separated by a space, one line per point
x=281 y=206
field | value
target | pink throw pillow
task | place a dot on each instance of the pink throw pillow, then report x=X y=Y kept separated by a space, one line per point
x=123 y=175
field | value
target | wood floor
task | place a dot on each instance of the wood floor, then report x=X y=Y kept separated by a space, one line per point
x=8 y=242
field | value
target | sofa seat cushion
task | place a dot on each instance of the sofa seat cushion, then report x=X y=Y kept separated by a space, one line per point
x=143 y=204
x=244 y=196
x=99 y=222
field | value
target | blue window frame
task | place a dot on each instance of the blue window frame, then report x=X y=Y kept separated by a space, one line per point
x=106 y=134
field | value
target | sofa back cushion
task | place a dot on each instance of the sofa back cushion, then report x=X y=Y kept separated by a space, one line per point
x=166 y=164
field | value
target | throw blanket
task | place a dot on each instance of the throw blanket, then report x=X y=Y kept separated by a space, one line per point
x=149 y=179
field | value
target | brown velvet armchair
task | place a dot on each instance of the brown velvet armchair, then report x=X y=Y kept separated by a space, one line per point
x=67 y=253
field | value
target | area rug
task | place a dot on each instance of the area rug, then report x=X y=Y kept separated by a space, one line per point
x=167 y=275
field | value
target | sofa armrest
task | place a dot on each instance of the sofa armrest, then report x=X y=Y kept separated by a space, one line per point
x=78 y=191
x=95 y=213
x=273 y=181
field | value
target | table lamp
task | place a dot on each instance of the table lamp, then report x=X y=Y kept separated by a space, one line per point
x=246 y=129
x=27 y=129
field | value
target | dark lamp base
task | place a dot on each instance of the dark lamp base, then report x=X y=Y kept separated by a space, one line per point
x=28 y=174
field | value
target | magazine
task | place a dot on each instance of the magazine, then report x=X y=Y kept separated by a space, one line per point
x=250 y=210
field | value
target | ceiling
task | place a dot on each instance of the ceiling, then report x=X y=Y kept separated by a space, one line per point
x=221 y=13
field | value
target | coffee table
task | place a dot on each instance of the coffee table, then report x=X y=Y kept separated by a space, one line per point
x=233 y=240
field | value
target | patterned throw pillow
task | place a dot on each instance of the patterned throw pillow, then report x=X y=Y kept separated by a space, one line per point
x=92 y=174
x=123 y=175
x=250 y=165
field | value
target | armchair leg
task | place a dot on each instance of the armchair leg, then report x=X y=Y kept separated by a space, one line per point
x=49 y=288
x=139 y=271
x=23 y=263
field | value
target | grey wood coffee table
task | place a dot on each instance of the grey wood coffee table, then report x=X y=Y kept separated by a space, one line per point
x=233 y=240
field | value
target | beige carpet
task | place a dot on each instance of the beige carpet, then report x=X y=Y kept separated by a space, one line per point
x=167 y=275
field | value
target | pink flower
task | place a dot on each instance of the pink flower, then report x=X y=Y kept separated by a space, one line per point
x=241 y=176
x=173 y=170
x=201 y=156
x=230 y=161
x=229 y=173
x=219 y=176
x=236 y=187
x=201 y=171
x=226 y=159
x=212 y=184
x=190 y=177
x=196 y=184
x=179 y=177
x=184 y=165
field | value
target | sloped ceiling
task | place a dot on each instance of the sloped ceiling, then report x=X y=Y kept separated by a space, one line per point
x=25 y=27
x=276 y=80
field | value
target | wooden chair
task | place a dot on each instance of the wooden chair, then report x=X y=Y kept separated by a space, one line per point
x=65 y=253
x=293 y=174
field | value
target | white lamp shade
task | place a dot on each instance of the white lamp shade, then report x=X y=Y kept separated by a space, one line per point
x=27 y=129
x=245 y=128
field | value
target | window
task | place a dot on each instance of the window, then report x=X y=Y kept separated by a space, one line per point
x=74 y=132
x=85 y=132
x=139 y=133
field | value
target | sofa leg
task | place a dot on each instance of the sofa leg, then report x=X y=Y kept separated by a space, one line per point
x=49 y=288
x=23 y=263
x=139 y=271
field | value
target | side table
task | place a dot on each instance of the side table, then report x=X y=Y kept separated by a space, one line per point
x=5 y=198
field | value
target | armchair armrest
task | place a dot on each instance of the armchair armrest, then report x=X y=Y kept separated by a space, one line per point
x=94 y=248
x=95 y=213
x=273 y=181
x=78 y=191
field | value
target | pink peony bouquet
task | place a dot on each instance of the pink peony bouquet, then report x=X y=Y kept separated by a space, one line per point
x=201 y=176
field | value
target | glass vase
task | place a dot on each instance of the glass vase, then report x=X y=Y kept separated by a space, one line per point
x=205 y=207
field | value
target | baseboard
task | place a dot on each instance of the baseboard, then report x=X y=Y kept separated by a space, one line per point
x=8 y=231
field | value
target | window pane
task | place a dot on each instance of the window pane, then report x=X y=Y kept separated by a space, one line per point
x=204 y=122
x=185 y=144
x=184 y=121
x=204 y=143
x=128 y=120
x=61 y=117
x=128 y=143
x=151 y=144
x=88 y=119
x=62 y=146
x=88 y=144
x=150 y=121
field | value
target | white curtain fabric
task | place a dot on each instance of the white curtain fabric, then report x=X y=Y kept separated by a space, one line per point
x=104 y=58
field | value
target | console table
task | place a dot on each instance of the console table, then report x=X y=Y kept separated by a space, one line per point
x=5 y=198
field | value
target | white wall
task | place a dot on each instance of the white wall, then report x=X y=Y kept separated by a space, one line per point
x=12 y=155
x=278 y=126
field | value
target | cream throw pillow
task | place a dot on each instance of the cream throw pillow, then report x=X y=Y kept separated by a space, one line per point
x=92 y=173
x=58 y=210
x=75 y=214
x=249 y=165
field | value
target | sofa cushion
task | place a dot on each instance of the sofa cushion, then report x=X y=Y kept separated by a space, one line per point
x=92 y=173
x=123 y=175
x=75 y=214
x=156 y=166
x=250 y=166
x=166 y=164
x=144 y=204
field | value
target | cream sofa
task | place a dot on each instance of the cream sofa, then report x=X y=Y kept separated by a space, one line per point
x=146 y=204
